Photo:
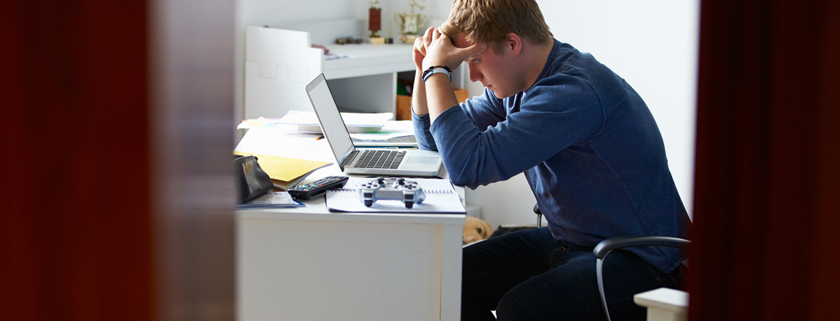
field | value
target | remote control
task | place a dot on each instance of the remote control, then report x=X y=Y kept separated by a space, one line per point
x=308 y=190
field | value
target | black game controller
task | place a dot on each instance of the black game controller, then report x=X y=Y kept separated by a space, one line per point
x=392 y=188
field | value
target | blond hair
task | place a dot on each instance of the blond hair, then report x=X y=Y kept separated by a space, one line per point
x=489 y=21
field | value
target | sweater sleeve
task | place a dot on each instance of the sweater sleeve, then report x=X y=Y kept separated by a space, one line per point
x=482 y=111
x=554 y=114
x=421 y=131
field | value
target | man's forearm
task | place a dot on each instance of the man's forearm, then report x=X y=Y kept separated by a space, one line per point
x=439 y=95
x=418 y=95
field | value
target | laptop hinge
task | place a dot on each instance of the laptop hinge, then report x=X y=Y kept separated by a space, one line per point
x=346 y=159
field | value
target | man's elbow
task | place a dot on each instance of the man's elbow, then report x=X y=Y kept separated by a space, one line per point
x=426 y=146
x=474 y=177
x=460 y=179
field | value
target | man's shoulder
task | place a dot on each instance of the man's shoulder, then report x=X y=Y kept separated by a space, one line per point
x=566 y=80
x=565 y=58
x=568 y=66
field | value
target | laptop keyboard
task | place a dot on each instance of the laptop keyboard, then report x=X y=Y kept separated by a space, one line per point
x=378 y=159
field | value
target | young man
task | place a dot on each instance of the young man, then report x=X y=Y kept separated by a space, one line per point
x=589 y=148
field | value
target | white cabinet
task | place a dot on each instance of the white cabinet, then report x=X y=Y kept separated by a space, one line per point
x=279 y=62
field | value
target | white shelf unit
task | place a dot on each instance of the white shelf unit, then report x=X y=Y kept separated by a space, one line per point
x=279 y=62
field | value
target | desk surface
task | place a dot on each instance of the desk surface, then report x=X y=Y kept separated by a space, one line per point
x=277 y=141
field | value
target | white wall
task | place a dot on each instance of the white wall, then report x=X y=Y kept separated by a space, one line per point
x=653 y=44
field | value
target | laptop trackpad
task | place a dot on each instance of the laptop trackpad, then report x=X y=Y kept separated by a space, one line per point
x=421 y=160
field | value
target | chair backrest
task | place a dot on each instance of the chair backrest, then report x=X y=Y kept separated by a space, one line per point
x=606 y=246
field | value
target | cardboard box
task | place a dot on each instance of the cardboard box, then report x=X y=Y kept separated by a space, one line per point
x=461 y=94
x=403 y=107
x=404 y=103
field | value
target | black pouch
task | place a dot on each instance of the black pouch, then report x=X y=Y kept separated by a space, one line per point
x=251 y=180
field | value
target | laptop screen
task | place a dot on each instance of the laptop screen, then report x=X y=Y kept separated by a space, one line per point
x=329 y=118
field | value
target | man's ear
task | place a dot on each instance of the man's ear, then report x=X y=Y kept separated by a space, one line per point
x=514 y=43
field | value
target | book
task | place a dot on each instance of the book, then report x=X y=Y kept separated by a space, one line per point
x=271 y=200
x=441 y=197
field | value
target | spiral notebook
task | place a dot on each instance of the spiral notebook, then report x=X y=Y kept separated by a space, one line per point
x=441 y=197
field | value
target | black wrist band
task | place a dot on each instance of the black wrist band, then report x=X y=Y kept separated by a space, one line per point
x=436 y=70
x=433 y=67
x=431 y=71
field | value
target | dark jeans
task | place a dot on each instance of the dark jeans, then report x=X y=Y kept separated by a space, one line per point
x=528 y=275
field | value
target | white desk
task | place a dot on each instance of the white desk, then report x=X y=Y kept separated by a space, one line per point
x=309 y=264
x=664 y=304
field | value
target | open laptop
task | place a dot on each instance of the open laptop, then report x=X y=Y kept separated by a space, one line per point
x=365 y=161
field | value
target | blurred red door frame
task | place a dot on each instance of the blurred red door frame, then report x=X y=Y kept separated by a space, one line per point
x=768 y=151
x=90 y=228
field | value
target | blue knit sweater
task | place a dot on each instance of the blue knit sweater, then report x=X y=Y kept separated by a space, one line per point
x=588 y=145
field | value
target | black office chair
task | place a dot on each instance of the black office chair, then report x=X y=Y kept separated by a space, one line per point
x=606 y=246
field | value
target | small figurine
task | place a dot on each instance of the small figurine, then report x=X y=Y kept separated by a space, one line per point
x=410 y=22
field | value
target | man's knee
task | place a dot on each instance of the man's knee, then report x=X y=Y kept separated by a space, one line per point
x=545 y=297
x=520 y=303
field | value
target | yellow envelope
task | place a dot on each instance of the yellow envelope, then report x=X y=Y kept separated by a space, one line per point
x=284 y=168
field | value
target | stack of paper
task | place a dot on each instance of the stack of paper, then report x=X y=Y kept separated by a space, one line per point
x=257 y=123
x=307 y=121
x=398 y=133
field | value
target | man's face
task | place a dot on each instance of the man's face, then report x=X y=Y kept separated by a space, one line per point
x=492 y=69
